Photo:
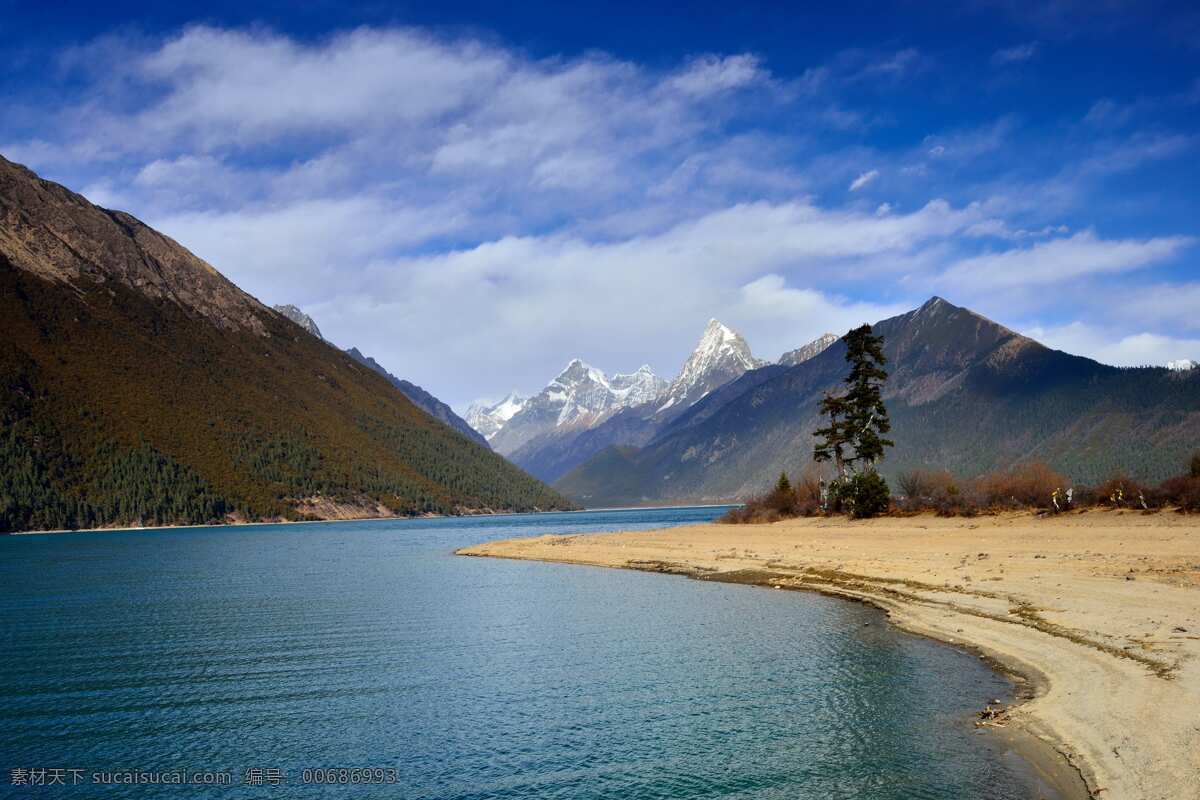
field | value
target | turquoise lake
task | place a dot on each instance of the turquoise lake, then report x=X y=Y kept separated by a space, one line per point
x=267 y=652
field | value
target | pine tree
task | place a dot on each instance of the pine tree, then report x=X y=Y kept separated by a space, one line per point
x=783 y=485
x=858 y=420
x=832 y=439
x=866 y=416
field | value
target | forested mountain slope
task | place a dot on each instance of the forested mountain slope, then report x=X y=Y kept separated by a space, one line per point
x=422 y=399
x=138 y=385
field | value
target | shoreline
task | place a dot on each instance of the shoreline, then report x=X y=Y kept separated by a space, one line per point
x=1057 y=603
x=247 y=524
x=365 y=518
x=1043 y=755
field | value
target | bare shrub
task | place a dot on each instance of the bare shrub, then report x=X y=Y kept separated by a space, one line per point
x=1120 y=491
x=951 y=501
x=1022 y=486
x=808 y=485
x=923 y=483
x=1183 y=491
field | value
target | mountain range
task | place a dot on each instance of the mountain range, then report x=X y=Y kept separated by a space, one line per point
x=139 y=385
x=964 y=393
x=582 y=410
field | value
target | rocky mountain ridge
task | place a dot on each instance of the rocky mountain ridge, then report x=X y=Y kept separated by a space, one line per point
x=720 y=359
x=810 y=350
x=300 y=318
x=56 y=234
x=579 y=397
x=720 y=356
x=965 y=394
x=489 y=418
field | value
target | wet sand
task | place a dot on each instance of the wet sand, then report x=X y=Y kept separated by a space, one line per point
x=1097 y=614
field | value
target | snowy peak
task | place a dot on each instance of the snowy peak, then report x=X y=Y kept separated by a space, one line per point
x=810 y=350
x=582 y=396
x=300 y=318
x=579 y=396
x=578 y=372
x=638 y=387
x=488 y=419
x=1182 y=365
x=586 y=393
x=720 y=356
x=507 y=408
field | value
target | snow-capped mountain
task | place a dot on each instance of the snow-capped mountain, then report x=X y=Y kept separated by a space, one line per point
x=814 y=348
x=720 y=356
x=636 y=388
x=489 y=419
x=579 y=396
x=1183 y=365
x=300 y=318
x=583 y=409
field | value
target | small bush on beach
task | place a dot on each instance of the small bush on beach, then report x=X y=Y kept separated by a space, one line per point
x=955 y=502
x=924 y=490
x=802 y=499
x=862 y=495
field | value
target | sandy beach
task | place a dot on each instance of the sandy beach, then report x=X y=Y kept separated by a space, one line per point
x=1097 y=613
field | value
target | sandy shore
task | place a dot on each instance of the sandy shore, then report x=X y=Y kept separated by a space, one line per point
x=1098 y=611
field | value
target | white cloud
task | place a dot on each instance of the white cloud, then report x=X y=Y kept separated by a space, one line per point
x=863 y=179
x=776 y=317
x=505 y=309
x=1015 y=54
x=1123 y=350
x=1059 y=260
x=892 y=65
x=1000 y=229
x=713 y=74
x=274 y=251
x=1176 y=305
x=473 y=216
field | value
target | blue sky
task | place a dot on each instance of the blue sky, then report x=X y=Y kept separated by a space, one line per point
x=477 y=193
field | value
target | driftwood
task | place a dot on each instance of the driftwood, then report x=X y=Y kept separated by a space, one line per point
x=993 y=717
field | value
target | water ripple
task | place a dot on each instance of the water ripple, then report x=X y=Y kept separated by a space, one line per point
x=370 y=645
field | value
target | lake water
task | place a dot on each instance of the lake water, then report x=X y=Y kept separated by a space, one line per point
x=369 y=645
